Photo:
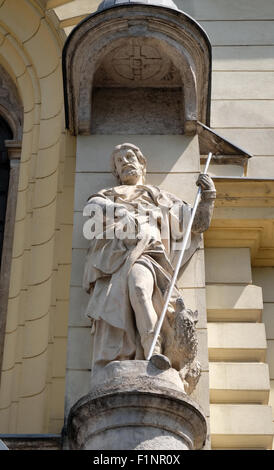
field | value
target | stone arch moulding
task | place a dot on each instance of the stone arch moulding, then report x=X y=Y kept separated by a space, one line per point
x=11 y=110
x=181 y=38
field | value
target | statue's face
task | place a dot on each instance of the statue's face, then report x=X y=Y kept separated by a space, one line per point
x=128 y=167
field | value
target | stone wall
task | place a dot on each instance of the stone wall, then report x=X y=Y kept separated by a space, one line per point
x=264 y=277
x=238 y=370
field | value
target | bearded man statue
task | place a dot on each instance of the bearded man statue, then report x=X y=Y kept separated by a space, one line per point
x=130 y=263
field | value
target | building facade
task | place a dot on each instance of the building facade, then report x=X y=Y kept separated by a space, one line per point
x=48 y=169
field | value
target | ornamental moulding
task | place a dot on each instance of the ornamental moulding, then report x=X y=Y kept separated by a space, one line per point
x=169 y=50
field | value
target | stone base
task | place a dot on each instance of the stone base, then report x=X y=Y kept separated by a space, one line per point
x=135 y=406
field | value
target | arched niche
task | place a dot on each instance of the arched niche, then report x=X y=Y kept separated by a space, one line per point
x=148 y=61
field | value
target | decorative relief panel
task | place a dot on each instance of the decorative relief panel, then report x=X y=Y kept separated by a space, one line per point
x=137 y=63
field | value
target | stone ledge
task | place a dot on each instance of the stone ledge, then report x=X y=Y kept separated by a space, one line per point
x=243 y=442
x=233 y=336
x=234 y=303
x=237 y=355
x=239 y=383
x=241 y=426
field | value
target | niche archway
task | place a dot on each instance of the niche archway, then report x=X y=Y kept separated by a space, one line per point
x=122 y=58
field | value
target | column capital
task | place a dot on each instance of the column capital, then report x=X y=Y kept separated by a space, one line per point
x=14 y=149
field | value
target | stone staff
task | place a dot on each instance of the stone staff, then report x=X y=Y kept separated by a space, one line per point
x=176 y=271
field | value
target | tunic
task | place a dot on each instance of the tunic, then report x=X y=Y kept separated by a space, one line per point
x=109 y=262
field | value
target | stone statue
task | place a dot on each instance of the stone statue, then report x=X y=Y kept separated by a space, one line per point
x=127 y=274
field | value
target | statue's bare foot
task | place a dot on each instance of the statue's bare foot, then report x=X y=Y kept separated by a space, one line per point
x=160 y=361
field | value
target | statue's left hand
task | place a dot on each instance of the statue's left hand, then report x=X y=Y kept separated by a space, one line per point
x=206 y=182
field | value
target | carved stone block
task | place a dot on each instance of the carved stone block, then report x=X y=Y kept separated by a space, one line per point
x=135 y=406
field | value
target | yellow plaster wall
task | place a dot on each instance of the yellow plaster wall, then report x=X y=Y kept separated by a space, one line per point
x=32 y=385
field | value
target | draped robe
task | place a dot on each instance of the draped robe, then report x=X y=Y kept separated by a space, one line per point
x=109 y=262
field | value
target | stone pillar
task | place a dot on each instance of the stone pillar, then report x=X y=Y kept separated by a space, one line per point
x=135 y=406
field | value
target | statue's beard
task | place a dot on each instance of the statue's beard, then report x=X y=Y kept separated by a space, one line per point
x=130 y=174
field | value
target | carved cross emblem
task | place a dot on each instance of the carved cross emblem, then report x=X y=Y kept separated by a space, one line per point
x=137 y=62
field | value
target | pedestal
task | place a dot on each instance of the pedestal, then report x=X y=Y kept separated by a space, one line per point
x=135 y=406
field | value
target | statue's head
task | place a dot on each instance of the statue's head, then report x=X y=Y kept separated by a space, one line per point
x=128 y=164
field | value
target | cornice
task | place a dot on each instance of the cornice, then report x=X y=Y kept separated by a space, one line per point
x=244 y=217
